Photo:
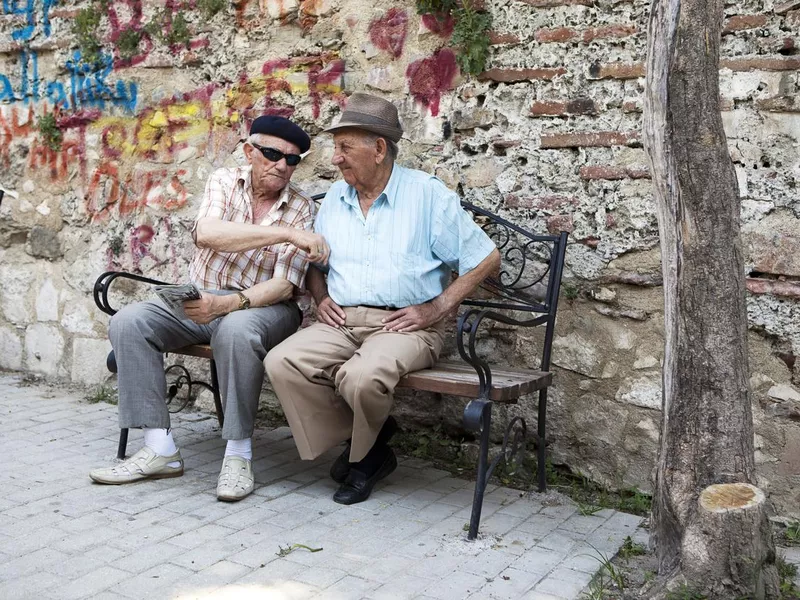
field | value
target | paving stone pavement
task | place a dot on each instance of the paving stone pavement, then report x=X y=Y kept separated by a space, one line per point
x=63 y=537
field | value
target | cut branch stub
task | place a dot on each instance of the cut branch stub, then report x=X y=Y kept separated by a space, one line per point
x=730 y=496
x=726 y=550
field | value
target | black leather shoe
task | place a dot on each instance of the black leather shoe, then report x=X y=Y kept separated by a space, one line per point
x=357 y=487
x=341 y=466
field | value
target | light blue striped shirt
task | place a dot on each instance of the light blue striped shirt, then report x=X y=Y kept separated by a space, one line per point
x=403 y=252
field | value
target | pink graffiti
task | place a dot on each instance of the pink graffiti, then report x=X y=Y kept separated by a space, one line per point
x=441 y=24
x=389 y=32
x=321 y=70
x=140 y=245
x=129 y=18
x=429 y=78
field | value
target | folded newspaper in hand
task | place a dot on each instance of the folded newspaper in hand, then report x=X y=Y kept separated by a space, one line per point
x=175 y=295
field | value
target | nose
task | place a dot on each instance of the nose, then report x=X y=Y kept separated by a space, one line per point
x=337 y=158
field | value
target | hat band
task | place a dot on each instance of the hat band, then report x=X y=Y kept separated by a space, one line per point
x=353 y=116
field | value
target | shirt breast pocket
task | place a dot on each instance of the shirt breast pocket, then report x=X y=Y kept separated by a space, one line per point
x=405 y=285
x=267 y=260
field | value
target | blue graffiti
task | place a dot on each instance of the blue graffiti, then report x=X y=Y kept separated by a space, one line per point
x=28 y=9
x=87 y=86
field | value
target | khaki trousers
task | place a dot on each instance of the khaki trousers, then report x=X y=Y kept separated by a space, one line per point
x=360 y=361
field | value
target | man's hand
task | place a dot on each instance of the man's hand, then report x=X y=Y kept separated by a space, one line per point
x=313 y=243
x=330 y=313
x=207 y=308
x=413 y=318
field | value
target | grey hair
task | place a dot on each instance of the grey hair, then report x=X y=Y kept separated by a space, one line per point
x=254 y=139
x=392 y=150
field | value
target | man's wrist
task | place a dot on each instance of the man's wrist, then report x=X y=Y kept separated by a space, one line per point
x=231 y=303
x=439 y=306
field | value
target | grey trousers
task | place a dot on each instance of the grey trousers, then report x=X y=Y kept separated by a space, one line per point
x=140 y=334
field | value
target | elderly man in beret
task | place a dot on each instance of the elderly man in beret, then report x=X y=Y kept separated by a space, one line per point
x=396 y=236
x=254 y=241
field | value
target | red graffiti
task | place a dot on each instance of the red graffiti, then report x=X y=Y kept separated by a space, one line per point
x=13 y=127
x=21 y=124
x=389 y=32
x=107 y=195
x=56 y=162
x=441 y=24
x=429 y=78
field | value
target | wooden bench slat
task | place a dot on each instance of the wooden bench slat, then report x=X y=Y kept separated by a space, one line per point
x=459 y=379
x=199 y=350
x=456 y=379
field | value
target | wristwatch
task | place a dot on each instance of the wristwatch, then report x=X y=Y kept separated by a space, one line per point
x=244 y=301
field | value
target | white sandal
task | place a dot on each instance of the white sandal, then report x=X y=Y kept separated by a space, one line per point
x=145 y=464
x=235 y=479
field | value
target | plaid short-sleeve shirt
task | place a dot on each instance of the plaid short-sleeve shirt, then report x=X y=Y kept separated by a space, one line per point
x=228 y=197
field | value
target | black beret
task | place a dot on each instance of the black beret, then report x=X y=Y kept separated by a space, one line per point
x=282 y=128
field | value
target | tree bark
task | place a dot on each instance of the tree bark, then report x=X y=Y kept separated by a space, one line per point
x=707 y=428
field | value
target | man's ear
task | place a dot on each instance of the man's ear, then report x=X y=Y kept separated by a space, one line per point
x=382 y=149
x=248 y=153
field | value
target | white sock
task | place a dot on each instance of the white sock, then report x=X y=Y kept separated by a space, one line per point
x=160 y=441
x=243 y=448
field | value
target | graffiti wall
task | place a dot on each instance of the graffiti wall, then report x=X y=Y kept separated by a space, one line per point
x=113 y=113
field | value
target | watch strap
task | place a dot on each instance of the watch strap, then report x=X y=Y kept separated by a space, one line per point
x=244 y=301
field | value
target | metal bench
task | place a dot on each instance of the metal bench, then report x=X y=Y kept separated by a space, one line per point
x=524 y=294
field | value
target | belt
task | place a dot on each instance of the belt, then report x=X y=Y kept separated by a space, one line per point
x=379 y=307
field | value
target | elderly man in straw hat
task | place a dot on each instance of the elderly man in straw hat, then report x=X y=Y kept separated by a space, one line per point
x=396 y=235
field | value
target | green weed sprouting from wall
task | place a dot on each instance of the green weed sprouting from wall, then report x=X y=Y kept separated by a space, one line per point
x=128 y=43
x=471 y=33
x=179 y=34
x=210 y=8
x=48 y=129
x=87 y=25
x=86 y=29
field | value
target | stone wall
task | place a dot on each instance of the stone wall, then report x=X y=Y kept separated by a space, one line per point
x=547 y=137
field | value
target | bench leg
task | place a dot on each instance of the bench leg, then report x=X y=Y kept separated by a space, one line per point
x=541 y=441
x=478 y=417
x=123 y=443
x=215 y=391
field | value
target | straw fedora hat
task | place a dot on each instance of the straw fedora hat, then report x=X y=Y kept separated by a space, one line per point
x=370 y=113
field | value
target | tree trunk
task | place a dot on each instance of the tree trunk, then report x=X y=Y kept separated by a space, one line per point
x=707 y=428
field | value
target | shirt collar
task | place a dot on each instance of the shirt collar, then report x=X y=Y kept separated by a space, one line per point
x=244 y=176
x=389 y=192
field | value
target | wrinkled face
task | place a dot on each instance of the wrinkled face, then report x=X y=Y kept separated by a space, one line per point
x=270 y=176
x=357 y=155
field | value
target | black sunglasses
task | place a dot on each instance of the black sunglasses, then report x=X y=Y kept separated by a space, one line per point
x=275 y=155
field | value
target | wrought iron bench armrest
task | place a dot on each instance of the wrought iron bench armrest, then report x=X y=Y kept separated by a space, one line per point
x=103 y=284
